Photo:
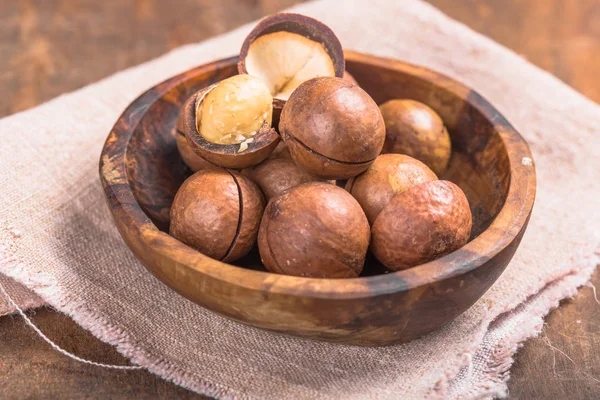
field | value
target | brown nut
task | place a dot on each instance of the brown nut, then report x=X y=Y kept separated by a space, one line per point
x=389 y=175
x=278 y=173
x=314 y=230
x=218 y=213
x=414 y=129
x=332 y=128
x=191 y=159
x=421 y=224
x=280 y=152
x=349 y=78
x=284 y=50
x=229 y=123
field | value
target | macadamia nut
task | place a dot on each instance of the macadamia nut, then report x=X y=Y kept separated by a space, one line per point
x=234 y=110
x=284 y=60
x=414 y=129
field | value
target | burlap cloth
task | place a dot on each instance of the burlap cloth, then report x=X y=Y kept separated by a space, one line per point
x=59 y=241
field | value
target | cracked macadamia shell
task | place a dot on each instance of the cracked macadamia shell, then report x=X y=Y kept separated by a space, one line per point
x=332 y=128
x=191 y=159
x=284 y=50
x=314 y=230
x=420 y=224
x=414 y=129
x=389 y=175
x=217 y=212
x=278 y=173
x=234 y=110
x=232 y=118
x=225 y=155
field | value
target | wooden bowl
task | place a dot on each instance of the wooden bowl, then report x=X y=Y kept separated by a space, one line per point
x=141 y=170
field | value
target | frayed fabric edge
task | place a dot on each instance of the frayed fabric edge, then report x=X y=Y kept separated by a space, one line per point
x=50 y=292
x=97 y=325
x=498 y=370
x=25 y=301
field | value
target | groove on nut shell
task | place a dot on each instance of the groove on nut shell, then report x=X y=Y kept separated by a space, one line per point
x=328 y=159
x=217 y=212
x=240 y=217
x=332 y=128
x=274 y=263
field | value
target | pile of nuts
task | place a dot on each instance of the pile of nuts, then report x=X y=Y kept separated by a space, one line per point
x=292 y=155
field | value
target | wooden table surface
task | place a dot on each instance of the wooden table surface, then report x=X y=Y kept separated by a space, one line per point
x=54 y=46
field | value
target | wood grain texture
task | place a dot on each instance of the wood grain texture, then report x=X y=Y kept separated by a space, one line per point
x=31 y=369
x=44 y=54
x=369 y=311
x=562 y=37
x=54 y=46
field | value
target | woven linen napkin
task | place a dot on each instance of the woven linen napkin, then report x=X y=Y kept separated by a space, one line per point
x=58 y=240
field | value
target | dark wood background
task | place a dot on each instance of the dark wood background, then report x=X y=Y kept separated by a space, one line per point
x=50 y=47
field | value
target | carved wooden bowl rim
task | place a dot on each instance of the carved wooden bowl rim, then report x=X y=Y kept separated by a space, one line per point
x=503 y=230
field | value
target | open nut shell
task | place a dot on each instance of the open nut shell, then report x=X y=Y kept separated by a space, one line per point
x=301 y=25
x=225 y=155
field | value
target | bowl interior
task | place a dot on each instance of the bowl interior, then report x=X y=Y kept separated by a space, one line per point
x=479 y=163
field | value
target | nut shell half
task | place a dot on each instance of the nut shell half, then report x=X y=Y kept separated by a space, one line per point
x=414 y=129
x=332 y=128
x=218 y=213
x=389 y=175
x=421 y=224
x=191 y=159
x=282 y=41
x=314 y=230
x=224 y=155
